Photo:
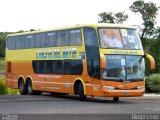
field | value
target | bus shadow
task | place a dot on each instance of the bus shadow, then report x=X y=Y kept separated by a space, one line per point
x=94 y=99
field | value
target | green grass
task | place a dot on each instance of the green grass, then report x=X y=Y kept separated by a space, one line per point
x=2 y=67
x=4 y=90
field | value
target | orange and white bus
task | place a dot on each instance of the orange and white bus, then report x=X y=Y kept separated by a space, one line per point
x=104 y=60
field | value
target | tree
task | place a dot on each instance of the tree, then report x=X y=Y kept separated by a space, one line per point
x=2 y=44
x=120 y=17
x=148 y=12
x=106 y=17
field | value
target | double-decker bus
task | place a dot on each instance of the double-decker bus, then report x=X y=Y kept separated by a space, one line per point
x=104 y=60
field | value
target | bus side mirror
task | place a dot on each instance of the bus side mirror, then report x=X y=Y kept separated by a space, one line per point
x=151 y=61
x=103 y=61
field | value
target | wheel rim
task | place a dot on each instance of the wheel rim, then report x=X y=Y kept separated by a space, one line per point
x=30 y=88
x=21 y=86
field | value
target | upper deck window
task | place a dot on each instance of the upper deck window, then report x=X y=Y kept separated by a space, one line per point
x=75 y=37
x=119 y=38
x=11 y=42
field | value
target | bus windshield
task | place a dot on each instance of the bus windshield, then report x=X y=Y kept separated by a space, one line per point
x=120 y=67
x=119 y=38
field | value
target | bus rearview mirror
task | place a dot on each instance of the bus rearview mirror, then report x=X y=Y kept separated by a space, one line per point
x=151 y=61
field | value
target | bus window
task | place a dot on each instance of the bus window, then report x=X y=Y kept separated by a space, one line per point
x=29 y=41
x=62 y=38
x=39 y=40
x=92 y=52
x=76 y=67
x=58 y=67
x=19 y=42
x=50 y=39
x=110 y=38
x=131 y=39
x=67 y=67
x=11 y=43
x=75 y=37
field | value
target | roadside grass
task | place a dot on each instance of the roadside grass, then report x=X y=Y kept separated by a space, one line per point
x=2 y=67
x=4 y=90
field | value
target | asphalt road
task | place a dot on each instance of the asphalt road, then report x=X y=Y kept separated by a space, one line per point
x=47 y=104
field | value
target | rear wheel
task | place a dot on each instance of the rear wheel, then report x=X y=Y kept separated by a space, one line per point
x=29 y=87
x=115 y=98
x=82 y=97
x=22 y=87
x=30 y=90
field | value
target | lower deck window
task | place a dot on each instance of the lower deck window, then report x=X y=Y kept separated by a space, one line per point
x=67 y=67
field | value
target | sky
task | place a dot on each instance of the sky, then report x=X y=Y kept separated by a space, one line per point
x=18 y=15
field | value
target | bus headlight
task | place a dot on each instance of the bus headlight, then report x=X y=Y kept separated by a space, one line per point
x=108 y=87
x=140 y=87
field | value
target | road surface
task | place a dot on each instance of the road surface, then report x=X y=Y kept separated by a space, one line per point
x=47 y=104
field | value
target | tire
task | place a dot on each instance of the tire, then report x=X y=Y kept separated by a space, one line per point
x=115 y=98
x=82 y=97
x=29 y=88
x=22 y=87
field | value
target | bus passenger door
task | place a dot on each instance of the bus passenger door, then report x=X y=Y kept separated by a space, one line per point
x=92 y=58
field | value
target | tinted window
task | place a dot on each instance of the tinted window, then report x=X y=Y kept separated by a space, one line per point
x=68 y=67
x=50 y=39
x=29 y=41
x=75 y=37
x=92 y=52
x=19 y=42
x=76 y=67
x=39 y=40
x=90 y=37
x=58 y=68
x=73 y=67
x=11 y=42
x=62 y=38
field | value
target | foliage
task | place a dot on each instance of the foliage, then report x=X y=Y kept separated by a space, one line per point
x=11 y=91
x=2 y=65
x=120 y=17
x=148 y=12
x=153 y=83
x=106 y=17
x=3 y=88
x=2 y=44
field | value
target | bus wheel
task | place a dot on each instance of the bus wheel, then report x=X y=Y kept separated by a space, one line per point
x=22 y=87
x=82 y=97
x=29 y=87
x=115 y=98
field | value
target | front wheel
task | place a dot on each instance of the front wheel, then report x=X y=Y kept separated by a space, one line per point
x=82 y=97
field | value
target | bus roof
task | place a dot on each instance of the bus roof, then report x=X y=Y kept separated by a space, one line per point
x=77 y=26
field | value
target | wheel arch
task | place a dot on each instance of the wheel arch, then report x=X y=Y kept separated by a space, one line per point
x=30 y=78
x=76 y=82
x=21 y=78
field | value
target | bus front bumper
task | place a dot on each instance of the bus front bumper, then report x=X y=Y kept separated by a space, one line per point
x=123 y=93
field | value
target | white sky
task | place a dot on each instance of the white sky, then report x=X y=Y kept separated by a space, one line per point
x=18 y=15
